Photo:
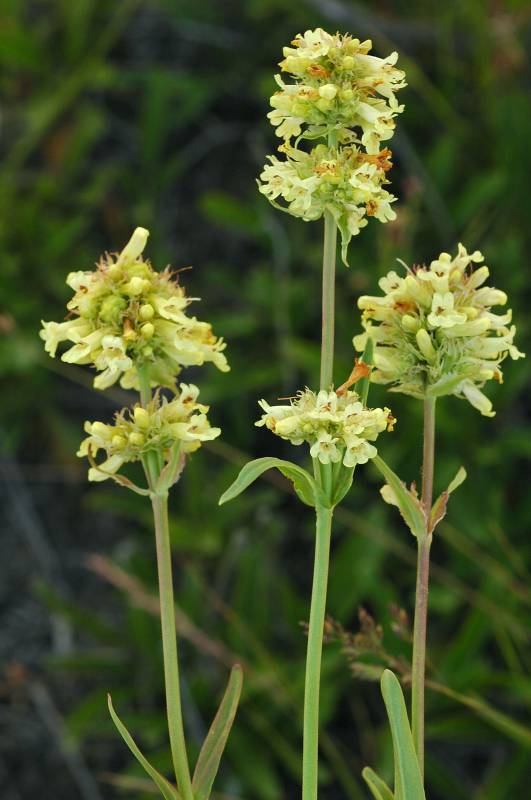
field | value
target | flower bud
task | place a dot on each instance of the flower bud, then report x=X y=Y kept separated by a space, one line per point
x=141 y=417
x=328 y=91
x=136 y=286
x=118 y=442
x=348 y=63
x=136 y=439
x=146 y=312
x=147 y=330
x=346 y=94
x=410 y=324
x=478 y=277
x=425 y=345
x=99 y=429
x=135 y=246
x=324 y=105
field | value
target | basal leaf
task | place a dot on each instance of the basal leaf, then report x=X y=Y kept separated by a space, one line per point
x=210 y=756
x=379 y=789
x=408 y=780
x=168 y=791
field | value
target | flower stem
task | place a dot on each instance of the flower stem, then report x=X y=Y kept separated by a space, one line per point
x=421 y=593
x=328 y=313
x=169 y=647
x=167 y=611
x=310 y=758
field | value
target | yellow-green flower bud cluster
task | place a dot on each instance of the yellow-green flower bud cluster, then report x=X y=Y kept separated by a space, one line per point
x=125 y=314
x=158 y=427
x=345 y=95
x=434 y=330
x=345 y=180
x=336 y=426
x=338 y=85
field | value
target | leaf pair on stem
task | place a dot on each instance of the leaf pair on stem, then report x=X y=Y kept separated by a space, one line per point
x=211 y=752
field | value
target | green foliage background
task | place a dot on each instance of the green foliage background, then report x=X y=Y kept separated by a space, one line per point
x=152 y=113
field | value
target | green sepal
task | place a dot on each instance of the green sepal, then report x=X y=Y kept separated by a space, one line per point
x=408 y=780
x=210 y=756
x=168 y=791
x=438 y=511
x=408 y=503
x=303 y=483
x=379 y=789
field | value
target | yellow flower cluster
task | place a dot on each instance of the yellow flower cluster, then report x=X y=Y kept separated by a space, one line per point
x=338 y=86
x=345 y=180
x=158 y=427
x=336 y=426
x=434 y=330
x=345 y=95
x=125 y=314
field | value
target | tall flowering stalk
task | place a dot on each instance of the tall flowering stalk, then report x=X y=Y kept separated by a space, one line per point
x=129 y=322
x=435 y=333
x=332 y=118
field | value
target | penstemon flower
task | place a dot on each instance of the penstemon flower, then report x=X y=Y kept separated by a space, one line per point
x=435 y=332
x=347 y=97
x=126 y=315
x=158 y=427
x=346 y=181
x=130 y=323
x=337 y=85
x=338 y=427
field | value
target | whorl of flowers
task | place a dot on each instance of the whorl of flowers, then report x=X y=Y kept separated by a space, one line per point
x=346 y=180
x=434 y=330
x=338 y=427
x=137 y=431
x=124 y=314
x=346 y=96
x=338 y=86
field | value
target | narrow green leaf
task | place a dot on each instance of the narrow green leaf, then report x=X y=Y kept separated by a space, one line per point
x=438 y=511
x=168 y=791
x=408 y=780
x=303 y=483
x=342 y=484
x=379 y=789
x=367 y=358
x=210 y=756
x=408 y=504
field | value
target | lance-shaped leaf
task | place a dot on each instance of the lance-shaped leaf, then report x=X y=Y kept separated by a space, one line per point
x=408 y=780
x=168 y=791
x=303 y=483
x=210 y=756
x=367 y=358
x=400 y=495
x=379 y=789
x=438 y=511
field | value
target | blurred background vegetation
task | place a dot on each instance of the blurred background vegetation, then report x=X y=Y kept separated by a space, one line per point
x=153 y=113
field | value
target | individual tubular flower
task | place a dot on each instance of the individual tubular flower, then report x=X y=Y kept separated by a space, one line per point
x=336 y=426
x=126 y=314
x=346 y=181
x=159 y=427
x=338 y=85
x=435 y=332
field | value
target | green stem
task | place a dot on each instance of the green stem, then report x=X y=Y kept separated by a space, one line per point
x=310 y=758
x=167 y=610
x=421 y=594
x=169 y=647
x=328 y=313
